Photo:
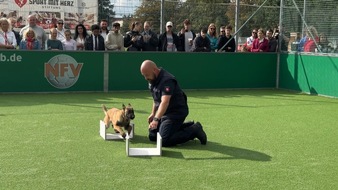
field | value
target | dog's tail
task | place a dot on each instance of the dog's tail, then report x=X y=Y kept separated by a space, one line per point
x=104 y=108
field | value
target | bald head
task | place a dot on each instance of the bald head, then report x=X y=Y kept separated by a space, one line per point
x=149 y=70
x=147 y=65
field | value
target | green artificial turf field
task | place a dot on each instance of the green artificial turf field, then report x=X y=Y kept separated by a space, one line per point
x=257 y=139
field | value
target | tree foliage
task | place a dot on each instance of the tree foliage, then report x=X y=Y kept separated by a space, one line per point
x=223 y=12
x=202 y=14
x=105 y=10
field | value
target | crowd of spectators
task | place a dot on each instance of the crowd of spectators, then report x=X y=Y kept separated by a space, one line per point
x=142 y=38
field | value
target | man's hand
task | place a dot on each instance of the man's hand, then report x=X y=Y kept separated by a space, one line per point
x=134 y=38
x=153 y=125
x=150 y=118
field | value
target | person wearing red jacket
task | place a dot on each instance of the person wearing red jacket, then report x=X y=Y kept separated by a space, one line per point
x=260 y=44
x=310 y=44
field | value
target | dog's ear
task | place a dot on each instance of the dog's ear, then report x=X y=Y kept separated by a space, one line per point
x=123 y=107
x=129 y=104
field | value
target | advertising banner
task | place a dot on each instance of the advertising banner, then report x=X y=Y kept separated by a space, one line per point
x=48 y=12
x=34 y=71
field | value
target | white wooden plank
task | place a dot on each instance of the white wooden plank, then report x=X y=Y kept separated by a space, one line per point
x=113 y=136
x=145 y=151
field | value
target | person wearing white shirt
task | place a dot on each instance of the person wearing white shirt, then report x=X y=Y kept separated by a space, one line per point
x=114 y=40
x=186 y=36
x=80 y=36
x=7 y=37
x=249 y=40
x=69 y=43
x=40 y=33
x=104 y=28
x=61 y=31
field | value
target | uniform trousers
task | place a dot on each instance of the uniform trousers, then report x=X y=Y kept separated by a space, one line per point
x=173 y=131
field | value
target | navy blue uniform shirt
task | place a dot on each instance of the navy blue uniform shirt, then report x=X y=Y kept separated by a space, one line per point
x=166 y=84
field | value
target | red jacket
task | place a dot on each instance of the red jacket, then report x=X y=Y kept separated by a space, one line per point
x=257 y=45
x=310 y=45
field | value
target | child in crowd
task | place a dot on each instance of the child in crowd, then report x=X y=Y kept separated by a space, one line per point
x=68 y=43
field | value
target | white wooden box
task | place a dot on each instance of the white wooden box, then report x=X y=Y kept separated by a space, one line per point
x=145 y=151
x=114 y=136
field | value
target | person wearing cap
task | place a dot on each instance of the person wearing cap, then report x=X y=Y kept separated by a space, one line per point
x=114 y=40
x=61 y=31
x=186 y=36
x=40 y=33
x=169 y=41
x=133 y=40
x=149 y=38
x=95 y=41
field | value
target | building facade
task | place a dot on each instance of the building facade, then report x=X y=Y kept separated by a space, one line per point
x=125 y=7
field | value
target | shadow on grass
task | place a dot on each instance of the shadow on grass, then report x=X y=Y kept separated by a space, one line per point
x=137 y=139
x=228 y=152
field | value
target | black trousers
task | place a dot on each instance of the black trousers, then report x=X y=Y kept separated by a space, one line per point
x=173 y=131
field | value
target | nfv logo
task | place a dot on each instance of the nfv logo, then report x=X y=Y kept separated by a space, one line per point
x=62 y=71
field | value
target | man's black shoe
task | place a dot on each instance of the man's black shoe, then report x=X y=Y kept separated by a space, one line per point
x=200 y=134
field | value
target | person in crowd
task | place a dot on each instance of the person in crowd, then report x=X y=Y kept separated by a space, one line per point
x=12 y=21
x=114 y=40
x=95 y=41
x=54 y=20
x=212 y=35
x=249 y=41
x=133 y=40
x=80 y=36
x=7 y=37
x=40 y=33
x=310 y=44
x=272 y=41
x=323 y=43
x=150 y=40
x=69 y=43
x=302 y=42
x=60 y=30
x=201 y=42
x=169 y=41
x=284 y=36
x=53 y=43
x=104 y=28
x=169 y=108
x=227 y=40
x=221 y=31
x=29 y=42
x=260 y=44
x=186 y=36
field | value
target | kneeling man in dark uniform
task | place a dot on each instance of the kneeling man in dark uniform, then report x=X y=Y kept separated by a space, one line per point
x=170 y=108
